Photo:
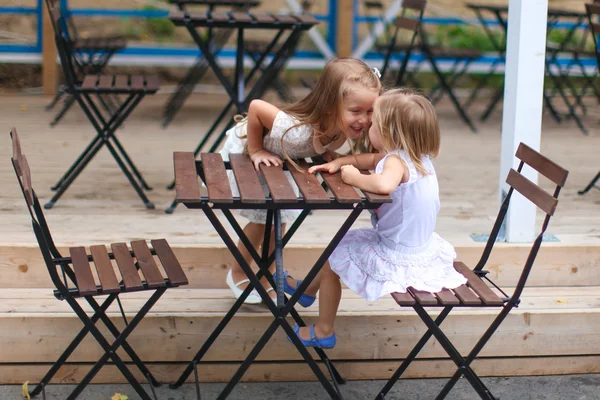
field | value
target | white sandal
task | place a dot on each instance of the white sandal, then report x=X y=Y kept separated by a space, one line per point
x=253 y=297
x=270 y=290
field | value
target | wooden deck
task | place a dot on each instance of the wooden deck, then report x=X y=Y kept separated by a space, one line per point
x=554 y=330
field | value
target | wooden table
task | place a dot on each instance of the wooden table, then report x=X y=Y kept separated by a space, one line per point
x=332 y=194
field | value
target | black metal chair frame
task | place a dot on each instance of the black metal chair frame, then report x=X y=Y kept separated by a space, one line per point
x=70 y=293
x=105 y=126
x=504 y=302
x=559 y=75
x=236 y=89
x=593 y=10
x=419 y=40
x=87 y=60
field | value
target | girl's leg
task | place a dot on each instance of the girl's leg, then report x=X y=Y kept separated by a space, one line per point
x=255 y=233
x=330 y=294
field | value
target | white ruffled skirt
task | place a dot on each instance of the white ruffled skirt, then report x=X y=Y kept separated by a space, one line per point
x=374 y=268
x=236 y=144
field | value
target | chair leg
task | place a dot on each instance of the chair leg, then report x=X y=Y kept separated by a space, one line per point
x=111 y=349
x=68 y=102
x=412 y=355
x=591 y=184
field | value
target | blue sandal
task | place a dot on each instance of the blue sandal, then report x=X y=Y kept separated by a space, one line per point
x=323 y=343
x=304 y=300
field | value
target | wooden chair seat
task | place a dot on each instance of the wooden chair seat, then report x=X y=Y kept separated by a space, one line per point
x=120 y=84
x=474 y=294
x=126 y=261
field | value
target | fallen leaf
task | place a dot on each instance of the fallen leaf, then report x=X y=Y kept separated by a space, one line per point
x=119 y=396
x=562 y=300
x=23 y=107
x=26 y=390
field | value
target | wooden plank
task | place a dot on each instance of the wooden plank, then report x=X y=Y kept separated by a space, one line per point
x=169 y=262
x=187 y=189
x=279 y=186
x=89 y=82
x=343 y=193
x=345 y=14
x=309 y=185
x=262 y=17
x=104 y=268
x=467 y=296
x=183 y=320
x=219 y=16
x=217 y=181
x=83 y=273
x=105 y=83
x=447 y=298
x=122 y=83
x=542 y=164
x=137 y=83
x=424 y=298
x=247 y=181
x=407 y=23
x=16 y=147
x=49 y=54
x=26 y=180
x=73 y=373
x=152 y=83
x=242 y=17
x=129 y=273
x=147 y=265
x=403 y=299
x=285 y=19
x=307 y=19
x=483 y=291
x=532 y=192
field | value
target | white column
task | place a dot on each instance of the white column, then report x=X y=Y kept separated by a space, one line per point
x=523 y=101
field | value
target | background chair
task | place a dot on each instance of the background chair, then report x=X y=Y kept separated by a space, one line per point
x=480 y=291
x=74 y=280
x=84 y=89
x=91 y=55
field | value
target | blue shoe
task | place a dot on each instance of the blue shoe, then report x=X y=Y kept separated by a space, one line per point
x=304 y=300
x=323 y=343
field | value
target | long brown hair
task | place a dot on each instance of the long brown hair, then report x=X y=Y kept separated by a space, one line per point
x=407 y=120
x=322 y=107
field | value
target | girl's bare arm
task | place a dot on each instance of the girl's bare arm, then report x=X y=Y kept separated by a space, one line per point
x=394 y=172
x=260 y=118
x=364 y=161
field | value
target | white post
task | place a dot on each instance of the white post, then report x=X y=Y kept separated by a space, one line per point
x=369 y=41
x=523 y=101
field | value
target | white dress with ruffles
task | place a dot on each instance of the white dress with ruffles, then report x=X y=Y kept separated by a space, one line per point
x=401 y=250
x=298 y=143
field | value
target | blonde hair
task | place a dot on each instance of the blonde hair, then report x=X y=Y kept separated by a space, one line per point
x=323 y=106
x=407 y=120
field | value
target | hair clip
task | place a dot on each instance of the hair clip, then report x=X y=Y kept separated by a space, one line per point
x=376 y=72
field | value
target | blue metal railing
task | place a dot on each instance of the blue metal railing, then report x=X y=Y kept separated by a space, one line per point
x=174 y=51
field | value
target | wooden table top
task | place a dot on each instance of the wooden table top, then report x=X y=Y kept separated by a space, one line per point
x=214 y=172
x=242 y=19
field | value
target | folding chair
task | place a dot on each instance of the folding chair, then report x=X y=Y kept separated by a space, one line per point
x=134 y=87
x=74 y=279
x=406 y=24
x=476 y=293
x=91 y=55
x=593 y=14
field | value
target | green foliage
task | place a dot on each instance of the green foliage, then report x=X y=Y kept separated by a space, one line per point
x=464 y=37
x=158 y=27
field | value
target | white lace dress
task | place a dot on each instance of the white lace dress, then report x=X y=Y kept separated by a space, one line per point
x=401 y=250
x=298 y=143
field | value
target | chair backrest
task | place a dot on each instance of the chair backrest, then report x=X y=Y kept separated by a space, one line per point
x=67 y=24
x=593 y=13
x=543 y=200
x=38 y=221
x=64 y=44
